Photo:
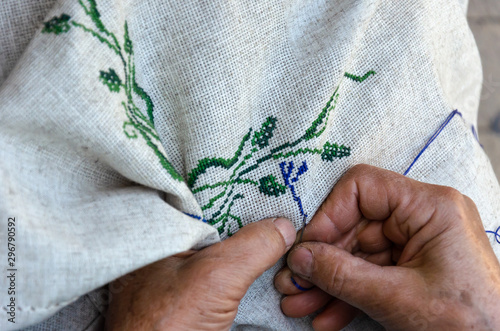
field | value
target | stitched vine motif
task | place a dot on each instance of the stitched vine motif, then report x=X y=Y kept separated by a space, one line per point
x=138 y=123
x=255 y=149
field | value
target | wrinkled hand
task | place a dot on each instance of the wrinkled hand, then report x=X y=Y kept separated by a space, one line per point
x=199 y=290
x=413 y=256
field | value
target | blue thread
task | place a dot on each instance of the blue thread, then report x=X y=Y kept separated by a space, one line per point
x=474 y=132
x=196 y=217
x=496 y=234
x=286 y=177
x=300 y=287
x=302 y=169
x=434 y=136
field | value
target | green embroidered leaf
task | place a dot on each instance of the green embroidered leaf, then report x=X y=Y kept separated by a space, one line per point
x=262 y=136
x=269 y=186
x=331 y=151
x=128 y=43
x=57 y=25
x=110 y=79
x=95 y=15
x=325 y=112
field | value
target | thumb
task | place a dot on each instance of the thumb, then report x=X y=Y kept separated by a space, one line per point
x=358 y=282
x=252 y=250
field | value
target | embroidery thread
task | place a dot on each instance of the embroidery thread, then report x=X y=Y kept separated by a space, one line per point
x=286 y=177
x=254 y=150
x=358 y=78
x=496 y=234
x=138 y=124
x=432 y=138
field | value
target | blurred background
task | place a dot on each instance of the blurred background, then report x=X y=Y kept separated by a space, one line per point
x=484 y=21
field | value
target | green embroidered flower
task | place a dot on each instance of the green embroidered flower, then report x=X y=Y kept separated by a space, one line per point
x=57 y=25
x=331 y=151
x=269 y=186
x=110 y=79
x=262 y=136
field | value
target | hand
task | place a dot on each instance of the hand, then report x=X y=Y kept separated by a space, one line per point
x=445 y=276
x=199 y=290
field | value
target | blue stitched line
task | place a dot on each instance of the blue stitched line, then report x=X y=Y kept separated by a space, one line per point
x=434 y=136
x=497 y=234
x=286 y=177
x=474 y=132
x=196 y=217
x=298 y=286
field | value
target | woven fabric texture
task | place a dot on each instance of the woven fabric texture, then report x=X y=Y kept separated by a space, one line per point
x=134 y=130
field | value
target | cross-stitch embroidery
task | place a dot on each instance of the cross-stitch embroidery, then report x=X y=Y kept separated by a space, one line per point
x=254 y=142
x=268 y=185
x=137 y=123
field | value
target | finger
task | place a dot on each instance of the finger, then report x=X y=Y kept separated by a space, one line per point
x=375 y=194
x=284 y=284
x=305 y=303
x=336 y=316
x=351 y=279
x=250 y=252
x=382 y=259
x=396 y=253
x=372 y=239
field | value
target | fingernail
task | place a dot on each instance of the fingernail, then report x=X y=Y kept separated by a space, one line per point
x=287 y=230
x=300 y=261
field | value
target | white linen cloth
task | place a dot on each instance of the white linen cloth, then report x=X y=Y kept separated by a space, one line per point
x=120 y=119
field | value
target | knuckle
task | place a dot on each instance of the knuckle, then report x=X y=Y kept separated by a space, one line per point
x=450 y=194
x=336 y=271
x=359 y=169
x=336 y=282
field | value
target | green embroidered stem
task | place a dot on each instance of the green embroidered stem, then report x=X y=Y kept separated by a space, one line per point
x=95 y=16
x=240 y=224
x=144 y=96
x=358 y=78
x=214 y=199
x=226 y=183
x=147 y=137
x=224 y=217
x=297 y=152
x=97 y=35
x=206 y=163
x=325 y=113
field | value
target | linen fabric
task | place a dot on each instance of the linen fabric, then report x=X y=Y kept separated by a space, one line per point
x=134 y=130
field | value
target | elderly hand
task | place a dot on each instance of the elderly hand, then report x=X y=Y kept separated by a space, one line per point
x=410 y=255
x=199 y=290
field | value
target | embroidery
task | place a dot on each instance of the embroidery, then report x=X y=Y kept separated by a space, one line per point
x=496 y=234
x=196 y=217
x=286 y=177
x=358 y=78
x=138 y=124
x=431 y=139
x=254 y=150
